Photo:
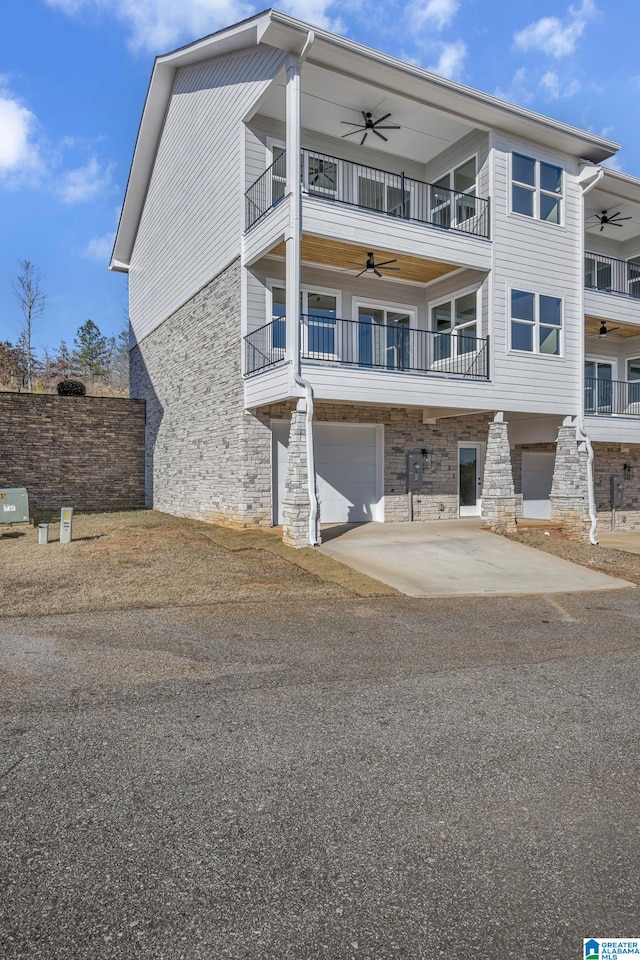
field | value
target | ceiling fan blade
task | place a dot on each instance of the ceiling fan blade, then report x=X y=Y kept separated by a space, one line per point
x=386 y=268
x=386 y=139
x=361 y=272
x=351 y=133
x=377 y=273
x=601 y=227
x=385 y=262
x=617 y=218
x=376 y=122
x=352 y=123
x=364 y=138
x=388 y=126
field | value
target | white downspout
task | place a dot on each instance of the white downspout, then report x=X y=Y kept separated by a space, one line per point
x=293 y=147
x=581 y=427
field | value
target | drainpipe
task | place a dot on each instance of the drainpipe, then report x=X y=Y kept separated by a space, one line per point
x=582 y=432
x=293 y=94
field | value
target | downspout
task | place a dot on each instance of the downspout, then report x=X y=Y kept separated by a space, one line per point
x=582 y=431
x=293 y=270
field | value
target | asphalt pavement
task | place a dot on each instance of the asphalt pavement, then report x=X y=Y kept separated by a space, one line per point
x=346 y=779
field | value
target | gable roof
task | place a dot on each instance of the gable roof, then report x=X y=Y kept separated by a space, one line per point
x=337 y=53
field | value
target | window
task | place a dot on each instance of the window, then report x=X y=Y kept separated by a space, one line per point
x=536 y=323
x=456 y=324
x=536 y=189
x=376 y=194
x=633 y=383
x=320 y=175
x=278 y=173
x=633 y=277
x=319 y=312
x=452 y=196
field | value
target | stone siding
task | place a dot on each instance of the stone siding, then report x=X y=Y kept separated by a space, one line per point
x=404 y=432
x=569 y=498
x=206 y=458
x=82 y=452
x=610 y=461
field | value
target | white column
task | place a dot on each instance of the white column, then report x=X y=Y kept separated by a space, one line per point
x=292 y=304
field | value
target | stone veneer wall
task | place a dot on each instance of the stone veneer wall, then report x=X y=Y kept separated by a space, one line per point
x=610 y=461
x=205 y=457
x=405 y=432
x=81 y=452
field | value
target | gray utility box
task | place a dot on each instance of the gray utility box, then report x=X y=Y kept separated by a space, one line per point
x=14 y=505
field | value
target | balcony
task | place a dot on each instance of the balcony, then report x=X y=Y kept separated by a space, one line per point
x=609 y=398
x=368 y=188
x=609 y=275
x=358 y=344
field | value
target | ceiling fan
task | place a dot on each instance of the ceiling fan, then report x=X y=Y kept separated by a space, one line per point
x=369 y=126
x=615 y=220
x=373 y=267
x=604 y=332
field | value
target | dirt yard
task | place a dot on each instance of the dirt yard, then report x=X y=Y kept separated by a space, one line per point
x=147 y=559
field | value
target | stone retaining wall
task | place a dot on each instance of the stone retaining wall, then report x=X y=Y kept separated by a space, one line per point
x=83 y=452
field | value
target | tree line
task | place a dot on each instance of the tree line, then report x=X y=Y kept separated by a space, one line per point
x=101 y=362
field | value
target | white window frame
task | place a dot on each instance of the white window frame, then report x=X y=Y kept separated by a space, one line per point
x=614 y=363
x=379 y=176
x=451 y=298
x=387 y=306
x=630 y=259
x=305 y=290
x=273 y=143
x=472 y=191
x=535 y=324
x=536 y=189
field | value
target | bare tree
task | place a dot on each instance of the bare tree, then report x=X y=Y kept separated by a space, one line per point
x=27 y=291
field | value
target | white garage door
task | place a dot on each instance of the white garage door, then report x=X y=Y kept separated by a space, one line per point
x=537 y=476
x=346 y=466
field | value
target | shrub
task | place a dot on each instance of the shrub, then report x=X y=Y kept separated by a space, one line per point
x=71 y=388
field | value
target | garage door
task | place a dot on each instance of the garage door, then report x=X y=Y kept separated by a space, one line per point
x=346 y=467
x=537 y=476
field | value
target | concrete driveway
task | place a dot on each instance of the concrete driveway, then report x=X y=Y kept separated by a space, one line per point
x=455 y=557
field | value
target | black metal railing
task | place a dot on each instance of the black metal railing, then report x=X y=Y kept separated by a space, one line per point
x=369 y=188
x=612 y=397
x=265 y=346
x=612 y=276
x=356 y=343
x=268 y=190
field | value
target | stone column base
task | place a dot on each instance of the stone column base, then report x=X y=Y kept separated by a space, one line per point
x=296 y=506
x=499 y=513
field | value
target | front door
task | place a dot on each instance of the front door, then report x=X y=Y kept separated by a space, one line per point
x=470 y=478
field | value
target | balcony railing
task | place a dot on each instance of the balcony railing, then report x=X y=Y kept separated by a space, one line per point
x=356 y=343
x=612 y=397
x=368 y=188
x=612 y=276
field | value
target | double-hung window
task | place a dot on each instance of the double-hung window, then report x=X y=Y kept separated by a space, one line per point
x=536 y=188
x=536 y=323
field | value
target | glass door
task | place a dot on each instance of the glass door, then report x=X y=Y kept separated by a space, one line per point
x=470 y=479
x=383 y=338
x=598 y=375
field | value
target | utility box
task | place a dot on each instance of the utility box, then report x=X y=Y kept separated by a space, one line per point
x=617 y=493
x=14 y=505
x=414 y=471
x=66 y=524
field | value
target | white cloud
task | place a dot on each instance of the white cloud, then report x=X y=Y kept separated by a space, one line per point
x=559 y=89
x=614 y=163
x=19 y=153
x=158 y=25
x=99 y=248
x=84 y=183
x=433 y=13
x=556 y=37
x=451 y=60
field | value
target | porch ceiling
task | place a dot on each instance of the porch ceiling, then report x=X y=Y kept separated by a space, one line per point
x=592 y=329
x=351 y=258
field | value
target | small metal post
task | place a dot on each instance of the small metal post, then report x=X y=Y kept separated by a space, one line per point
x=43 y=533
x=410 y=505
x=66 y=519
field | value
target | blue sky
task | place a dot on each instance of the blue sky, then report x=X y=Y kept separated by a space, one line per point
x=74 y=75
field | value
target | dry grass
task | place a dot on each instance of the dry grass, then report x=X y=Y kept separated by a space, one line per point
x=143 y=559
x=616 y=563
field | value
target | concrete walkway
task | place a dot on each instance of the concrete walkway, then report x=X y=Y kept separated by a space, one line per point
x=455 y=557
x=627 y=540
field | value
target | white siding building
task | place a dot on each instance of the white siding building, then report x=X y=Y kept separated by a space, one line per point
x=351 y=278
